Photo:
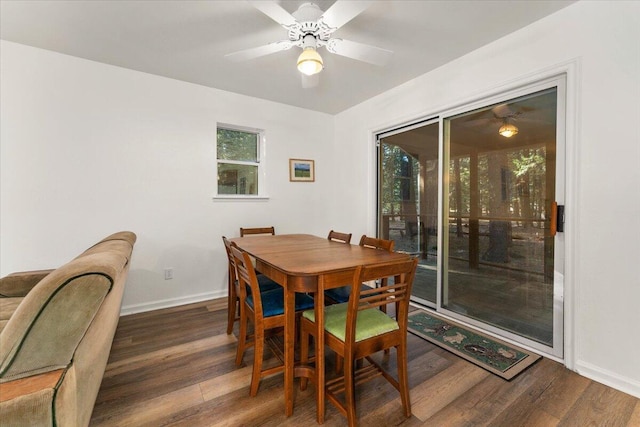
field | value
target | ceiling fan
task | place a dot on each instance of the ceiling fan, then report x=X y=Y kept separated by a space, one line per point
x=309 y=28
x=502 y=115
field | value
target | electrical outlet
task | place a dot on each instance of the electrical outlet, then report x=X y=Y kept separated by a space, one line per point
x=168 y=273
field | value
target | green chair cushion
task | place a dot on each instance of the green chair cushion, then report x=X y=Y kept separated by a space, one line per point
x=371 y=322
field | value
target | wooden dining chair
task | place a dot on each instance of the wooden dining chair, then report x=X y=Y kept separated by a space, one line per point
x=265 y=310
x=257 y=230
x=336 y=236
x=341 y=294
x=264 y=283
x=357 y=329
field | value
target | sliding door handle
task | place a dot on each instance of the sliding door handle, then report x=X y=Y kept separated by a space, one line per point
x=553 y=221
x=556 y=222
x=560 y=219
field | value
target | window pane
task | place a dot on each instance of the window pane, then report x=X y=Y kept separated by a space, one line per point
x=237 y=145
x=237 y=179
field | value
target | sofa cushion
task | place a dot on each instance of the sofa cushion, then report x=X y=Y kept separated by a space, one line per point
x=7 y=307
x=19 y=284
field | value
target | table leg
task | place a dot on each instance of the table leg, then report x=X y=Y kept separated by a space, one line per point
x=289 y=346
x=319 y=369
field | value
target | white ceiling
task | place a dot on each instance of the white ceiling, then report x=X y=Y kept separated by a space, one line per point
x=187 y=40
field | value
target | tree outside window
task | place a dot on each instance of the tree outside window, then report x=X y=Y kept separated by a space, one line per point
x=238 y=161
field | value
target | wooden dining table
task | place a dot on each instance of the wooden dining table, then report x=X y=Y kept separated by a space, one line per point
x=309 y=264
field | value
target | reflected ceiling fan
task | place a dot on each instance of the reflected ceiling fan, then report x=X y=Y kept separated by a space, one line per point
x=309 y=28
x=505 y=115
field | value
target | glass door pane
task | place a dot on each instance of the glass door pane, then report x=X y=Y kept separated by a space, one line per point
x=408 y=200
x=500 y=171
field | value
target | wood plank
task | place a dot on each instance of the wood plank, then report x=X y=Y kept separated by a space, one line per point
x=483 y=402
x=527 y=396
x=149 y=412
x=375 y=408
x=565 y=389
x=601 y=405
x=23 y=386
x=434 y=394
x=634 y=420
x=227 y=383
x=166 y=375
x=165 y=354
x=538 y=418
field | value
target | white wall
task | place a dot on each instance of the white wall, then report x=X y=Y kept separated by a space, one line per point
x=602 y=40
x=89 y=149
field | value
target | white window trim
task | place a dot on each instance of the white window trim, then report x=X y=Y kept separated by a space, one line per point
x=262 y=166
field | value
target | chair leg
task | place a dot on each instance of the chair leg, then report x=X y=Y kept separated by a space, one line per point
x=349 y=391
x=403 y=379
x=258 y=355
x=304 y=352
x=359 y=362
x=242 y=336
x=231 y=309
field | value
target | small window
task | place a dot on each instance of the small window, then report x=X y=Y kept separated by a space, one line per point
x=238 y=161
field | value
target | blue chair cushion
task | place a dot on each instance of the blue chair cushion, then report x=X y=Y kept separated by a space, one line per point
x=266 y=284
x=273 y=302
x=342 y=294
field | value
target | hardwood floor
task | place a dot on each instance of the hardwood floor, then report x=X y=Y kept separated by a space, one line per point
x=175 y=367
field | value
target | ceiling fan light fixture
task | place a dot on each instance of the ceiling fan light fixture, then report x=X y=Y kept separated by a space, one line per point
x=508 y=130
x=310 y=61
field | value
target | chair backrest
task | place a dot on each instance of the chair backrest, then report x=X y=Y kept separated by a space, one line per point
x=339 y=237
x=372 y=242
x=397 y=293
x=232 y=263
x=257 y=230
x=247 y=279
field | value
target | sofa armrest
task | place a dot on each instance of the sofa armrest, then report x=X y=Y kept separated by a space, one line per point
x=24 y=386
x=19 y=284
x=43 y=332
x=29 y=401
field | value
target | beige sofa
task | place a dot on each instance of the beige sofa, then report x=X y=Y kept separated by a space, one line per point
x=57 y=327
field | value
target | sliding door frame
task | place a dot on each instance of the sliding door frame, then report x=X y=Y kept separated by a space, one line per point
x=570 y=72
x=556 y=350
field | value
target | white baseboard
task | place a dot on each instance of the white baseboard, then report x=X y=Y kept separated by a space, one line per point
x=173 y=302
x=608 y=378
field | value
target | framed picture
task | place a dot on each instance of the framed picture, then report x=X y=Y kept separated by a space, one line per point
x=301 y=170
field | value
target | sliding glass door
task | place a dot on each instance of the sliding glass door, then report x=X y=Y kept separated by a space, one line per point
x=475 y=194
x=408 y=199
x=499 y=248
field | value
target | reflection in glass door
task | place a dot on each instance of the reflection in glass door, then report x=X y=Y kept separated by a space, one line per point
x=500 y=184
x=408 y=199
x=473 y=194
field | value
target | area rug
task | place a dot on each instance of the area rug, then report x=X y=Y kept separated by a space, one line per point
x=498 y=357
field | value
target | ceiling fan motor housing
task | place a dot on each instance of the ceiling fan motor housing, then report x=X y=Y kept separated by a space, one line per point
x=309 y=23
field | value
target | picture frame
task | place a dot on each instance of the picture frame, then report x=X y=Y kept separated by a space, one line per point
x=302 y=170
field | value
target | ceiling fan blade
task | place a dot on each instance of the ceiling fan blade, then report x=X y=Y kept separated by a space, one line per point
x=503 y=110
x=255 y=52
x=274 y=11
x=361 y=52
x=343 y=11
x=310 y=81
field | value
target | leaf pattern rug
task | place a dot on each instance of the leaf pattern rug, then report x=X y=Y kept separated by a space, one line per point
x=500 y=358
